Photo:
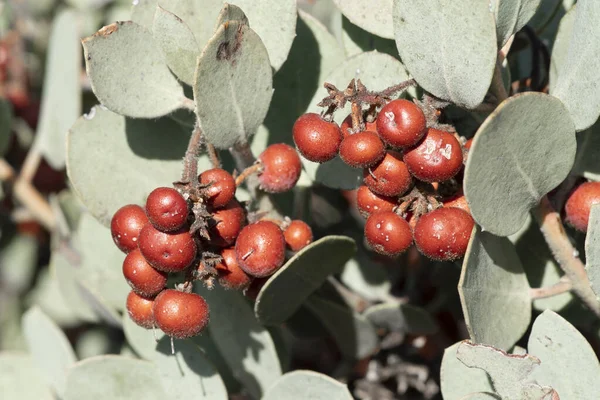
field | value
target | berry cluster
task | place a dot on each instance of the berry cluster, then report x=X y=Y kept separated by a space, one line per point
x=204 y=234
x=408 y=161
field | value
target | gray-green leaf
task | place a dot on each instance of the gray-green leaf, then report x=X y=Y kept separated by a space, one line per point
x=560 y=50
x=302 y=385
x=403 y=318
x=592 y=250
x=458 y=380
x=20 y=378
x=511 y=16
x=374 y=16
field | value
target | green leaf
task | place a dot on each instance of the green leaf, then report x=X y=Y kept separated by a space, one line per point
x=6 y=120
x=187 y=371
x=480 y=396
x=231 y=12
x=374 y=16
x=246 y=346
x=143 y=341
x=114 y=377
x=143 y=11
x=177 y=42
x=353 y=333
x=403 y=318
x=568 y=362
x=367 y=278
x=377 y=71
x=494 y=291
x=511 y=16
x=588 y=151
x=61 y=94
x=18 y=261
x=129 y=73
x=306 y=271
x=435 y=56
x=301 y=385
x=49 y=347
x=47 y=296
x=458 y=380
x=357 y=40
x=592 y=250
x=531 y=139
x=208 y=346
x=508 y=372
x=560 y=49
x=576 y=85
x=20 y=378
x=233 y=85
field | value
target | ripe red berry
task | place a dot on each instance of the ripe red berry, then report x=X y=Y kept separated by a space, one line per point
x=140 y=310
x=231 y=276
x=444 y=234
x=281 y=168
x=260 y=248
x=579 y=205
x=437 y=158
x=401 y=123
x=316 y=139
x=297 y=235
x=362 y=149
x=346 y=126
x=166 y=209
x=222 y=187
x=180 y=315
x=468 y=144
x=126 y=225
x=389 y=177
x=368 y=202
x=167 y=251
x=143 y=279
x=228 y=222
x=387 y=233
x=459 y=201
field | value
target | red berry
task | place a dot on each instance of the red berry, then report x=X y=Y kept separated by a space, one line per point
x=221 y=189
x=387 y=233
x=180 y=315
x=229 y=221
x=231 y=276
x=368 y=202
x=143 y=279
x=260 y=248
x=401 y=123
x=579 y=205
x=140 y=310
x=298 y=235
x=126 y=225
x=166 y=209
x=468 y=144
x=444 y=234
x=438 y=157
x=346 y=126
x=362 y=149
x=281 y=168
x=459 y=201
x=167 y=251
x=389 y=177
x=316 y=139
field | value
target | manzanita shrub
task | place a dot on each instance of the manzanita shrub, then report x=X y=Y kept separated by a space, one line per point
x=332 y=199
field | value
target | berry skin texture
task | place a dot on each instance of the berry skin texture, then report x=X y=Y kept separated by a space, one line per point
x=281 y=168
x=143 y=279
x=437 y=158
x=316 y=139
x=459 y=201
x=167 y=252
x=401 y=123
x=180 y=315
x=260 y=249
x=298 y=235
x=166 y=208
x=346 y=126
x=387 y=233
x=229 y=221
x=231 y=276
x=140 y=310
x=579 y=205
x=126 y=225
x=362 y=149
x=444 y=234
x=390 y=177
x=222 y=187
x=368 y=202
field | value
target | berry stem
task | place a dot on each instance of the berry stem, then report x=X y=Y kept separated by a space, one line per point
x=562 y=286
x=356 y=117
x=565 y=254
x=247 y=172
x=213 y=155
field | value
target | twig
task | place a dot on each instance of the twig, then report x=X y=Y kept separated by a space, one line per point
x=213 y=155
x=190 y=161
x=188 y=104
x=356 y=117
x=247 y=172
x=497 y=86
x=31 y=164
x=565 y=254
x=562 y=286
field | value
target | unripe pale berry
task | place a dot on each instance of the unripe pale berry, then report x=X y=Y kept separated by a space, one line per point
x=389 y=177
x=260 y=248
x=297 y=235
x=281 y=168
x=166 y=208
x=140 y=310
x=228 y=222
x=579 y=205
x=167 y=251
x=231 y=276
x=387 y=233
x=316 y=139
x=437 y=158
x=180 y=315
x=401 y=123
x=444 y=234
x=368 y=202
x=222 y=187
x=362 y=149
x=141 y=276
x=126 y=225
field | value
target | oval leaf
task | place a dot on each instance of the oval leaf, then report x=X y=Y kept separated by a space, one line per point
x=403 y=318
x=560 y=49
x=20 y=378
x=129 y=73
x=480 y=396
x=576 y=84
x=306 y=271
x=301 y=385
x=531 y=139
x=357 y=40
x=435 y=56
x=233 y=85
x=373 y=16
x=458 y=380
x=511 y=16
x=231 y=12
x=492 y=278
x=592 y=250
x=367 y=278
x=143 y=341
